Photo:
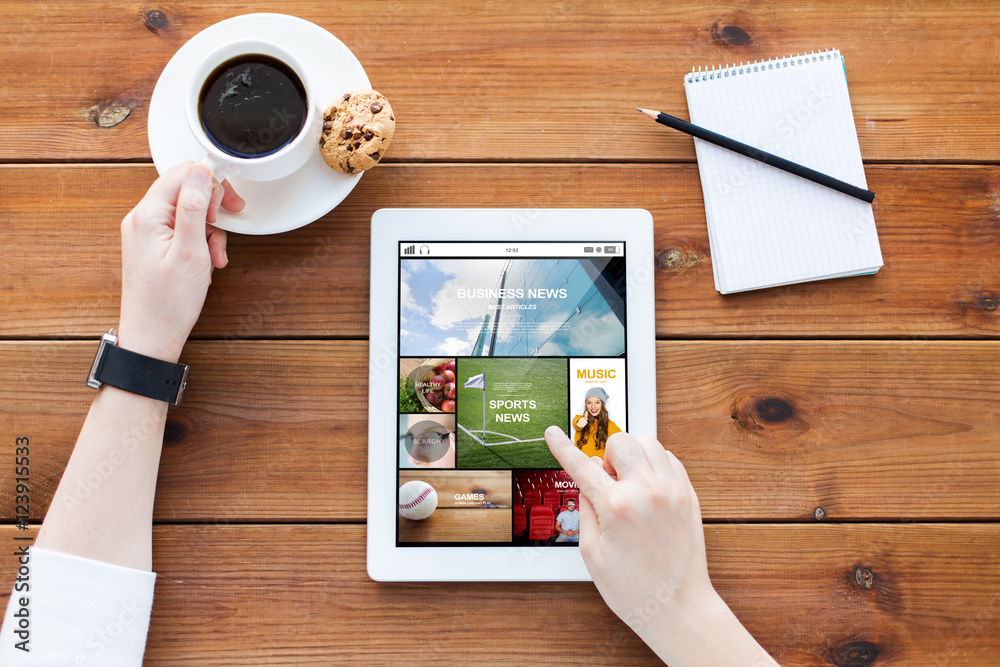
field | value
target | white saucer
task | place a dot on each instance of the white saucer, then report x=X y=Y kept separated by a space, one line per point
x=274 y=206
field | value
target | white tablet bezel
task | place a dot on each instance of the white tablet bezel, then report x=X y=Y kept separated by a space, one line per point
x=634 y=227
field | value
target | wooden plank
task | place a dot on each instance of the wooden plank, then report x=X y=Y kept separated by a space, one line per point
x=518 y=80
x=261 y=433
x=940 y=277
x=279 y=595
x=768 y=430
x=835 y=429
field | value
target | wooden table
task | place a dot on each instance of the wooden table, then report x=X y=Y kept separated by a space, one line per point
x=842 y=436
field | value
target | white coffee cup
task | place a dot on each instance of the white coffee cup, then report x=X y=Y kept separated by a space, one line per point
x=269 y=167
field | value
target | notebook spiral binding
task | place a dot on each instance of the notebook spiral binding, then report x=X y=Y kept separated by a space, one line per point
x=701 y=74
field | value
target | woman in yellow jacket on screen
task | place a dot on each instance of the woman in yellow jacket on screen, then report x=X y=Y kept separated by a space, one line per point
x=593 y=427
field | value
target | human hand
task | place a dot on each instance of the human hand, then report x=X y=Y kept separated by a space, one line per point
x=168 y=255
x=582 y=421
x=643 y=543
x=639 y=514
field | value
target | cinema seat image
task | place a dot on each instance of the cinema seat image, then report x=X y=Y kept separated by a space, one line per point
x=542 y=522
x=520 y=520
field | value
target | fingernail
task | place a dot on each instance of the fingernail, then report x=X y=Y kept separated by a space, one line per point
x=225 y=255
x=199 y=175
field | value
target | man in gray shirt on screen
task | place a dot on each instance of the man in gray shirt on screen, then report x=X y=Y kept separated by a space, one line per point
x=568 y=523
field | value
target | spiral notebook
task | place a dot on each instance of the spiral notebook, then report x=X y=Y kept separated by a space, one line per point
x=767 y=227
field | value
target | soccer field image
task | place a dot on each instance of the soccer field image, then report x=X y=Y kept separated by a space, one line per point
x=522 y=398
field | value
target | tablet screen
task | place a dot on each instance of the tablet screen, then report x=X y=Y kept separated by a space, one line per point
x=497 y=341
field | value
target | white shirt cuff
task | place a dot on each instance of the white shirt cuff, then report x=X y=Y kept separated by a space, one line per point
x=72 y=611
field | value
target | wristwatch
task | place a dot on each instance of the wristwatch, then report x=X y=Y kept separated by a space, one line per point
x=136 y=373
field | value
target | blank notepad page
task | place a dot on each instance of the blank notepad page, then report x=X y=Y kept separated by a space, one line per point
x=768 y=227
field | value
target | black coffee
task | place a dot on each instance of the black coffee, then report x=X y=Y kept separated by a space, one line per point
x=252 y=106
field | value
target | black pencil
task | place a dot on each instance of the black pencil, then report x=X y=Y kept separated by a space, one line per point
x=762 y=156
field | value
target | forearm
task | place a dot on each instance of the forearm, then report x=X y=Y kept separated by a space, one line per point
x=708 y=635
x=103 y=507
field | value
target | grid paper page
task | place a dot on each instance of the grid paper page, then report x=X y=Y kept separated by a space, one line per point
x=768 y=227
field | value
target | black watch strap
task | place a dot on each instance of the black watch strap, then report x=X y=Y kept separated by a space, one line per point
x=137 y=373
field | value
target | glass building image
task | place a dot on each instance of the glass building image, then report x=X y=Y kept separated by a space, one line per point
x=556 y=307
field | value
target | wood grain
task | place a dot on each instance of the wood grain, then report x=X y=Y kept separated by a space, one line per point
x=452 y=524
x=817 y=434
x=903 y=594
x=263 y=428
x=939 y=229
x=768 y=430
x=856 y=430
x=518 y=80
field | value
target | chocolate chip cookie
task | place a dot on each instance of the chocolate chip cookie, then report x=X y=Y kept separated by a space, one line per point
x=357 y=130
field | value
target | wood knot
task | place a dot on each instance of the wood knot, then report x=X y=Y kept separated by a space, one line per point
x=731 y=35
x=819 y=514
x=773 y=410
x=155 y=20
x=988 y=301
x=864 y=578
x=175 y=431
x=670 y=260
x=854 y=654
x=755 y=414
x=676 y=260
x=111 y=112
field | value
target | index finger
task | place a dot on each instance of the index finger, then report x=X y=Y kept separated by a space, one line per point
x=588 y=475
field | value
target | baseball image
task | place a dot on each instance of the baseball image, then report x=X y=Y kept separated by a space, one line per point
x=417 y=500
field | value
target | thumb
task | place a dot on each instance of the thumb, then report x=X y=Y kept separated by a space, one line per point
x=192 y=207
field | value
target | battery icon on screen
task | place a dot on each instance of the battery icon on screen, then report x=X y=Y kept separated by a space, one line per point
x=613 y=249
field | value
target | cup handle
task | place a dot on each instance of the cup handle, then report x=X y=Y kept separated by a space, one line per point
x=220 y=169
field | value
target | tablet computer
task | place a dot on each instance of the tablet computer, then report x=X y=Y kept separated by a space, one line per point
x=487 y=327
